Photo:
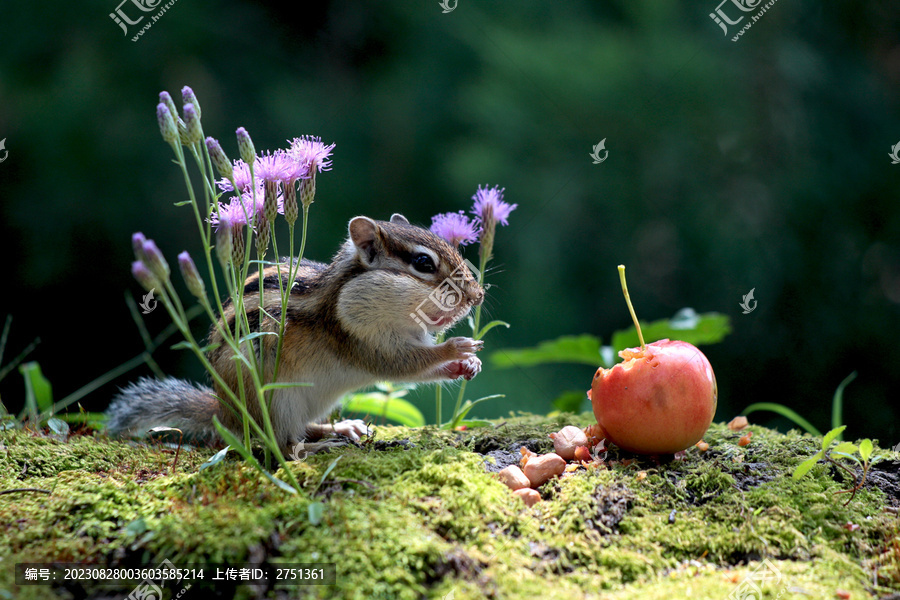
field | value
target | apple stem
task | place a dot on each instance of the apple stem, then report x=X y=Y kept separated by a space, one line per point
x=630 y=307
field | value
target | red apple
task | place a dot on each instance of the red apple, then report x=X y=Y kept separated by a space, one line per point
x=660 y=400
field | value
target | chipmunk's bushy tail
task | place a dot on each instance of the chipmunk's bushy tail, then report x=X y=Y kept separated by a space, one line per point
x=168 y=402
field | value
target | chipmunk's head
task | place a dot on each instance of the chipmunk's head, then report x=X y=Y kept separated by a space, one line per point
x=420 y=281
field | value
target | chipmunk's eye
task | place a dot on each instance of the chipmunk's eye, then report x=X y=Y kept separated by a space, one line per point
x=423 y=264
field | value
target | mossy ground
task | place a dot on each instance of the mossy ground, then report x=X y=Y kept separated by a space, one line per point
x=417 y=514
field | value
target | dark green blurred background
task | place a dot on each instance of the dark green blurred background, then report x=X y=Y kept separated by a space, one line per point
x=761 y=163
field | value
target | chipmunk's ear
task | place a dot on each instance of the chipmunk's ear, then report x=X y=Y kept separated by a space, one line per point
x=363 y=232
x=398 y=218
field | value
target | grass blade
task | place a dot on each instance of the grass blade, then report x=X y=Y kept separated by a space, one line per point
x=837 y=403
x=785 y=412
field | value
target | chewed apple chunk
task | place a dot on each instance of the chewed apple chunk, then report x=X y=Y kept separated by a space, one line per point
x=660 y=400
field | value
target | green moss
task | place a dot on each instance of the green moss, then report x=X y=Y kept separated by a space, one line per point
x=416 y=514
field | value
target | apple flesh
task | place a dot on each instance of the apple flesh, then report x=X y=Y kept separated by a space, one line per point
x=660 y=400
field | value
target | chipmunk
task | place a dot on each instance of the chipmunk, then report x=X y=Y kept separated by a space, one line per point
x=369 y=316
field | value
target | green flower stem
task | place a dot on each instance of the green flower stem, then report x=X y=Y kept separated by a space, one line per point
x=476 y=325
x=292 y=274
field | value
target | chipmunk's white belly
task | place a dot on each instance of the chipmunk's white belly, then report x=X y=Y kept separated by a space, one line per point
x=297 y=407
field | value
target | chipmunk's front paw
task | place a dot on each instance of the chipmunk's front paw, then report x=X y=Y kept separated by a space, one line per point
x=466 y=347
x=352 y=428
x=349 y=428
x=467 y=368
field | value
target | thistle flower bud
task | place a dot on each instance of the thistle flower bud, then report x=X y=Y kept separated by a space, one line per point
x=137 y=243
x=290 y=203
x=191 y=275
x=270 y=202
x=224 y=244
x=245 y=146
x=155 y=261
x=166 y=99
x=262 y=235
x=192 y=125
x=143 y=275
x=167 y=126
x=239 y=244
x=488 y=228
x=187 y=95
x=219 y=159
x=182 y=132
x=308 y=189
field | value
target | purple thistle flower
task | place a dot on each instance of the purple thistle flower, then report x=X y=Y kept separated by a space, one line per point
x=456 y=228
x=309 y=150
x=241 y=174
x=489 y=203
x=274 y=167
x=242 y=210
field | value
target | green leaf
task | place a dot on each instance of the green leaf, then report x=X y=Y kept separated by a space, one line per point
x=395 y=409
x=866 y=448
x=845 y=448
x=785 y=412
x=182 y=203
x=315 y=510
x=136 y=527
x=686 y=325
x=473 y=423
x=831 y=436
x=804 y=467
x=571 y=402
x=284 y=385
x=490 y=326
x=837 y=403
x=235 y=443
x=581 y=349
x=465 y=408
x=38 y=391
x=216 y=458
x=254 y=335
x=58 y=426
x=328 y=471
x=93 y=419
